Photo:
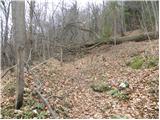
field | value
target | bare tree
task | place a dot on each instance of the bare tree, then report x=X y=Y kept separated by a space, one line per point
x=6 y=49
x=29 y=41
x=18 y=19
x=6 y=11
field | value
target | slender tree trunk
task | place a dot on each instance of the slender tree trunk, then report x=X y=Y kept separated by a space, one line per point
x=115 y=30
x=2 y=31
x=122 y=20
x=6 y=26
x=29 y=41
x=18 y=19
x=155 y=16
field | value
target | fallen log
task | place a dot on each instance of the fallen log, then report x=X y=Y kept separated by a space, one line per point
x=54 y=115
x=119 y=40
x=135 y=38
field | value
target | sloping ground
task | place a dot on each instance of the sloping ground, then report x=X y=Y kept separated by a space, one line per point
x=68 y=87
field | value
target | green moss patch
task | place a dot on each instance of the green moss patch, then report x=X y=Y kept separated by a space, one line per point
x=114 y=92
x=100 y=87
x=138 y=62
x=152 y=62
x=118 y=94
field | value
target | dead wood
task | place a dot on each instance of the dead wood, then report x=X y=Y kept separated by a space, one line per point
x=53 y=113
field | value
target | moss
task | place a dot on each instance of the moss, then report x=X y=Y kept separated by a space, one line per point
x=100 y=87
x=118 y=94
x=136 y=62
x=152 y=62
x=28 y=115
x=39 y=106
x=42 y=115
x=113 y=92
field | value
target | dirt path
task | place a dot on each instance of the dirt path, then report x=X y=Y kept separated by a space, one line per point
x=73 y=80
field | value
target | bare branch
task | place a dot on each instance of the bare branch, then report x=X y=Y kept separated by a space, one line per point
x=8 y=70
x=53 y=113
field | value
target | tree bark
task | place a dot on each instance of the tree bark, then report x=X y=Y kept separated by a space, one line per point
x=19 y=35
x=29 y=42
x=119 y=40
x=136 y=38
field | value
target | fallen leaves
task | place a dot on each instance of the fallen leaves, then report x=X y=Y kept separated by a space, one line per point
x=71 y=83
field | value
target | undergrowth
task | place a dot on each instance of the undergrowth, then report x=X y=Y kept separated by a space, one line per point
x=138 y=62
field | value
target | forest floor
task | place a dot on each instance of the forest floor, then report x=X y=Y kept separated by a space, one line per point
x=69 y=92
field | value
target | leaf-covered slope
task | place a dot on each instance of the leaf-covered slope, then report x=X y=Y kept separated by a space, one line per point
x=69 y=92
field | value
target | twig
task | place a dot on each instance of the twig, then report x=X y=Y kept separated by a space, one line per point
x=53 y=113
x=40 y=64
x=26 y=66
x=95 y=45
x=54 y=96
x=29 y=56
x=8 y=70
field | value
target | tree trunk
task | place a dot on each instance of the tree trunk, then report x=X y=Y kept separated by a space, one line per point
x=155 y=16
x=136 y=38
x=18 y=19
x=29 y=41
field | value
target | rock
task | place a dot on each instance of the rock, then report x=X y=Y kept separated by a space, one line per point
x=18 y=111
x=100 y=87
x=35 y=111
x=27 y=90
x=123 y=85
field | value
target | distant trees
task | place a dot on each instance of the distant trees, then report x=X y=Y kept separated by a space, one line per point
x=59 y=27
x=7 y=49
x=149 y=16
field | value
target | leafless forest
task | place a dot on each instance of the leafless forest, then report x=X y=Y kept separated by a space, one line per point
x=79 y=59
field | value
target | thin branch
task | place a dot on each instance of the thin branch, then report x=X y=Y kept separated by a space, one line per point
x=8 y=70
x=40 y=64
x=53 y=113
x=29 y=56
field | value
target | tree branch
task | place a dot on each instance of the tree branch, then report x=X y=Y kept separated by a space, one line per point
x=8 y=70
x=53 y=113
